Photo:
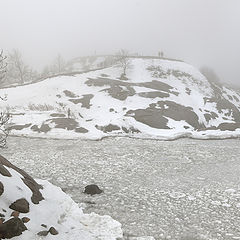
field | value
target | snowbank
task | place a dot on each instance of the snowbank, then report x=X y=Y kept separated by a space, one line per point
x=48 y=206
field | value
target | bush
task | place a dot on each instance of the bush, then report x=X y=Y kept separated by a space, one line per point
x=40 y=107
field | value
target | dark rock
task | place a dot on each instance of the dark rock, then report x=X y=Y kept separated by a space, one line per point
x=104 y=75
x=1 y=188
x=64 y=123
x=2 y=215
x=89 y=202
x=92 y=189
x=115 y=90
x=43 y=233
x=15 y=214
x=108 y=128
x=125 y=130
x=157 y=114
x=119 y=92
x=44 y=128
x=81 y=130
x=85 y=100
x=210 y=116
x=152 y=118
x=57 y=115
x=157 y=85
x=29 y=181
x=154 y=94
x=53 y=231
x=19 y=127
x=25 y=219
x=134 y=130
x=4 y=171
x=44 y=225
x=12 y=228
x=70 y=94
x=21 y=205
x=228 y=126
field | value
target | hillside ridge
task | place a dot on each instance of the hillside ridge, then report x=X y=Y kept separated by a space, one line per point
x=160 y=99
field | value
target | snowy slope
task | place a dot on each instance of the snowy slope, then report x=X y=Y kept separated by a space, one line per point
x=46 y=206
x=161 y=99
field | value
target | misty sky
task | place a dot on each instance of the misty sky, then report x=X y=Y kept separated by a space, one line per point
x=201 y=32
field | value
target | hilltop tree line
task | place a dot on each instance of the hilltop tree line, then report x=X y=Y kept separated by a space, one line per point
x=17 y=72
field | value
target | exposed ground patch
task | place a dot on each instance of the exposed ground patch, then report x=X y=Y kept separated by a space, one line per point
x=123 y=89
x=157 y=113
x=108 y=128
x=19 y=127
x=85 y=100
x=70 y=94
x=43 y=129
x=64 y=123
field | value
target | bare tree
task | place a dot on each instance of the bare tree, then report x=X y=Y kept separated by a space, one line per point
x=122 y=57
x=17 y=70
x=2 y=67
x=4 y=132
x=59 y=65
x=4 y=115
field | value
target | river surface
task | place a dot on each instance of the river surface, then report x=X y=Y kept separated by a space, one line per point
x=185 y=189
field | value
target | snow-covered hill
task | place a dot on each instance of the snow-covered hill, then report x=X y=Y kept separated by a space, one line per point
x=161 y=99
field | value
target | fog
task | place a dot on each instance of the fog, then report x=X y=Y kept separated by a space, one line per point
x=201 y=32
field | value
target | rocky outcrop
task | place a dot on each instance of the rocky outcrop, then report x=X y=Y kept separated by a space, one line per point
x=92 y=189
x=29 y=210
x=12 y=228
x=27 y=180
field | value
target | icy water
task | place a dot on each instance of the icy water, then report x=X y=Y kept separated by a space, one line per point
x=184 y=189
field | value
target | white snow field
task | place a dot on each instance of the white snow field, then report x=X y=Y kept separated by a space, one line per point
x=161 y=99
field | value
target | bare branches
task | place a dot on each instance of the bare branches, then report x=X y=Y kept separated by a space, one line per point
x=122 y=57
x=4 y=116
x=17 y=70
x=3 y=66
x=4 y=132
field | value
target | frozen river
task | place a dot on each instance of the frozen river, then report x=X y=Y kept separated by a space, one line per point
x=184 y=189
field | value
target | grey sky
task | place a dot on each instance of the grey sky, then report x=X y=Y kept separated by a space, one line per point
x=201 y=32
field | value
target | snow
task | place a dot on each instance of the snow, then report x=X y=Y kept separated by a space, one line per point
x=138 y=176
x=57 y=210
x=20 y=99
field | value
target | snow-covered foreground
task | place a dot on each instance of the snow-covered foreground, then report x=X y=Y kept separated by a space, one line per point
x=51 y=208
x=184 y=189
x=160 y=100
